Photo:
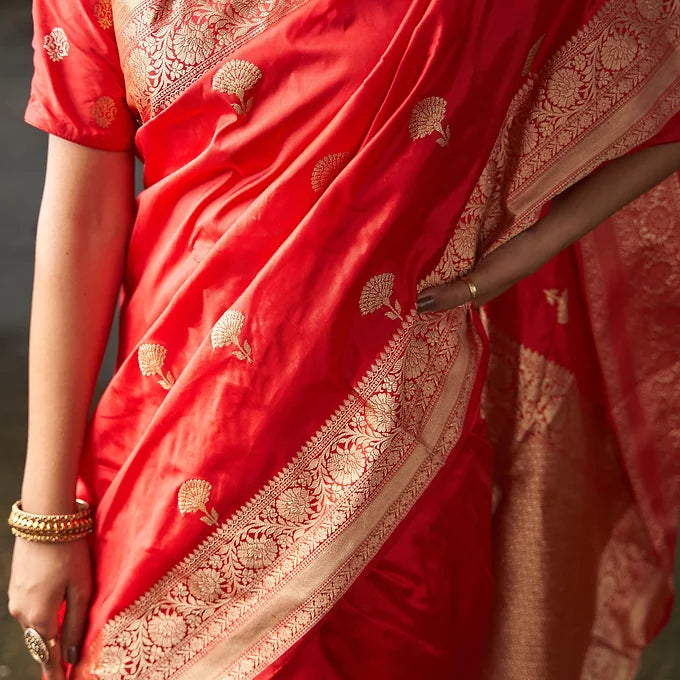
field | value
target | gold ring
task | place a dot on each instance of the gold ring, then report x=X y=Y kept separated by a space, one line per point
x=38 y=647
x=471 y=286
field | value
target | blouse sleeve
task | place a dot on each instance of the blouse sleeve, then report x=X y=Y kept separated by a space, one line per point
x=78 y=90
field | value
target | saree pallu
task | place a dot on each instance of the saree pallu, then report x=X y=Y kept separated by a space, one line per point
x=583 y=398
x=289 y=468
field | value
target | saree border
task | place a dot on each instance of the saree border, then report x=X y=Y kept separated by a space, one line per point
x=340 y=564
x=168 y=45
x=499 y=216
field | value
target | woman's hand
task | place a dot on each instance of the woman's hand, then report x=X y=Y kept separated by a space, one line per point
x=43 y=575
x=573 y=214
x=504 y=267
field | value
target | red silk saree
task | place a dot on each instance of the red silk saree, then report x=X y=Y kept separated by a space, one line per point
x=291 y=475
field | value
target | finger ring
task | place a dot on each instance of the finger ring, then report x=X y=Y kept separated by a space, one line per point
x=471 y=286
x=38 y=646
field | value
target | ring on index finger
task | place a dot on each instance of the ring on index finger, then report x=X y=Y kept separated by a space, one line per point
x=39 y=647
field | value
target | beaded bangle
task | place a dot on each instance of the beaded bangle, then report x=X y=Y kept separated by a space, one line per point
x=51 y=528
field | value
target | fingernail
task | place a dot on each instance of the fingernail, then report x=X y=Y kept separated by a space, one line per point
x=72 y=655
x=423 y=304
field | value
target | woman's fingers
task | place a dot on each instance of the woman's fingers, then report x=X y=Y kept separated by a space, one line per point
x=54 y=667
x=78 y=594
x=444 y=296
x=43 y=576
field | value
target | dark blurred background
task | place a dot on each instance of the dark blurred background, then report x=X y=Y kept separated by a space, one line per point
x=21 y=177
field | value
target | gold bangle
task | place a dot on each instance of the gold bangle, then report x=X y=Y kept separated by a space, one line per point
x=51 y=528
x=49 y=538
x=471 y=286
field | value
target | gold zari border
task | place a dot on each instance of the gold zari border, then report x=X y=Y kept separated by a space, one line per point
x=166 y=46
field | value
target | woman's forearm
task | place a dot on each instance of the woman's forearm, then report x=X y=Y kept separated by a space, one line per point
x=572 y=214
x=591 y=201
x=85 y=219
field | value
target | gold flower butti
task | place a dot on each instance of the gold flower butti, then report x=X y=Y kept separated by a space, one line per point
x=427 y=117
x=327 y=169
x=56 y=44
x=560 y=300
x=226 y=331
x=236 y=77
x=104 y=111
x=103 y=12
x=377 y=293
x=194 y=495
x=151 y=357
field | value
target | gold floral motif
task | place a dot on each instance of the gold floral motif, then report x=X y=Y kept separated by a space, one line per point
x=417 y=356
x=619 y=48
x=465 y=242
x=226 y=331
x=137 y=83
x=194 y=495
x=151 y=358
x=427 y=117
x=167 y=630
x=206 y=584
x=104 y=111
x=567 y=88
x=346 y=465
x=295 y=504
x=559 y=299
x=191 y=43
x=56 y=44
x=327 y=169
x=257 y=553
x=237 y=77
x=251 y=9
x=112 y=663
x=103 y=13
x=376 y=293
x=381 y=413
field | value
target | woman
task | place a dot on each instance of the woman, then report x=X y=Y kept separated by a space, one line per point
x=290 y=473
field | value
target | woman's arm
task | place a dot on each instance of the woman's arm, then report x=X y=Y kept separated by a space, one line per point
x=85 y=219
x=573 y=214
x=86 y=214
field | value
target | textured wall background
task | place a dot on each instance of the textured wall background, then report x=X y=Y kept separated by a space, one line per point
x=21 y=176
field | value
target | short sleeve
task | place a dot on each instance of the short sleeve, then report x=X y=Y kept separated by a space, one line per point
x=78 y=89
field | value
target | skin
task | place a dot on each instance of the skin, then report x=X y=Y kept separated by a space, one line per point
x=86 y=215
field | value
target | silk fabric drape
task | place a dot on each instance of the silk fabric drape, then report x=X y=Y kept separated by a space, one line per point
x=286 y=447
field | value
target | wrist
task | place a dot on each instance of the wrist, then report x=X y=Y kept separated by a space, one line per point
x=48 y=487
x=53 y=502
